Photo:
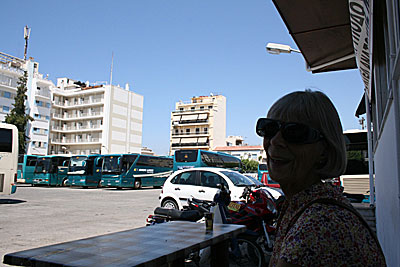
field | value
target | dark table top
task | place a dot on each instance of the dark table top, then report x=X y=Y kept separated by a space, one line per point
x=145 y=246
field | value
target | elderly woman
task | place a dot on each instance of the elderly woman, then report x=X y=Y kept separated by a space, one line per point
x=318 y=227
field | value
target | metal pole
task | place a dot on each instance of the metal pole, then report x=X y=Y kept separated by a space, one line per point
x=370 y=153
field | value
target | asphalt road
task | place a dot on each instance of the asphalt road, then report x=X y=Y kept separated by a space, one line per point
x=38 y=216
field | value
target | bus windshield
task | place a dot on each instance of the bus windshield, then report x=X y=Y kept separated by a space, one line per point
x=78 y=164
x=238 y=179
x=263 y=167
x=111 y=165
x=186 y=155
x=43 y=165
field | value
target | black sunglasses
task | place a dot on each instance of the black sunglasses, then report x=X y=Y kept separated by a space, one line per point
x=292 y=132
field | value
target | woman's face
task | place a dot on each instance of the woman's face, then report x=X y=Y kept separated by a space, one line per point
x=292 y=164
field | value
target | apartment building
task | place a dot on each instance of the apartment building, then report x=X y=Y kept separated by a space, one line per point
x=95 y=119
x=38 y=100
x=199 y=123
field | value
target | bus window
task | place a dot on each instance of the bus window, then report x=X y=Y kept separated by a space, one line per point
x=186 y=155
x=8 y=158
x=111 y=165
x=31 y=161
x=6 y=140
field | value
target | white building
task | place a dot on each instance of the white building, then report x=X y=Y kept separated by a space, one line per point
x=95 y=119
x=37 y=103
x=198 y=124
x=256 y=153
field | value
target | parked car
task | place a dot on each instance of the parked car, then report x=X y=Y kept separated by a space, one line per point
x=201 y=183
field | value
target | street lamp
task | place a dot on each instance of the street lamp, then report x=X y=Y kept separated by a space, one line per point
x=276 y=49
x=27 y=32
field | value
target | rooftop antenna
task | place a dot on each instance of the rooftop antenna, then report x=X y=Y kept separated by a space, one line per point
x=112 y=63
x=27 y=32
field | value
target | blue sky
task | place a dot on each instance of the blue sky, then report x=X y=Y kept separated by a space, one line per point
x=172 y=50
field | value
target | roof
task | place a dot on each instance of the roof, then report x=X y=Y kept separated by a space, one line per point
x=321 y=30
x=237 y=148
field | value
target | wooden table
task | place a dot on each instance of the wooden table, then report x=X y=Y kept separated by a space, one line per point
x=166 y=243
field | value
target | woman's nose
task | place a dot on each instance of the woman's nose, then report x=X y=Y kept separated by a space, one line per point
x=278 y=140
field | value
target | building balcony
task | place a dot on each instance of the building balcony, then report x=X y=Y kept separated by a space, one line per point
x=83 y=141
x=71 y=117
x=10 y=69
x=177 y=135
x=86 y=128
x=79 y=104
x=192 y=111
x=42 y=94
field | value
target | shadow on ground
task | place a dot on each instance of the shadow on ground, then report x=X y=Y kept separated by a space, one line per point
x=11 y=201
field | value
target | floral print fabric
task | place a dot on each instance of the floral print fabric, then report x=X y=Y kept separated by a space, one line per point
x=324 y=235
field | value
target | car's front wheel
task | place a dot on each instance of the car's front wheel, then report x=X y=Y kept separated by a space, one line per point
x=169 y=204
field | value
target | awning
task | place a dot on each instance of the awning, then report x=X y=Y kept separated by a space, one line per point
x=175 y=140
x=321 y=30
x=176 y=118
x=188 y=140
x=202 y=139
x=203 y=116
x=189 y=117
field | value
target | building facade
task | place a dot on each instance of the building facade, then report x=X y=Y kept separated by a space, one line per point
x=198 y=124
x=38 y=100
x=256 y=153
x=95 y=119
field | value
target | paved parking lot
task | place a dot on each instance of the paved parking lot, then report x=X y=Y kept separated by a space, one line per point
x=38 y=216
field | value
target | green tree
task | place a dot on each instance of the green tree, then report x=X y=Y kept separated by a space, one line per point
x=249 y=165
x=17 y=116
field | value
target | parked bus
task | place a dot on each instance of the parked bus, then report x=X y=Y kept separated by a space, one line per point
x=26 y=168
x=263 y=176
x=51 y=170
x=8 y=158
x=135 y=170
x=355 y=179
x=85 y=171
x=184 y=159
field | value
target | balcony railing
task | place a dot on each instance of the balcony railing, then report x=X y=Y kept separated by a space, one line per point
x=190 y=121
x=13 y=69
x=191 y=133
x=73 y=141
x=44 y=94
x=193 y=110
x=77 y=116
x=190 y=144
x=79 y=103
x=76 y=128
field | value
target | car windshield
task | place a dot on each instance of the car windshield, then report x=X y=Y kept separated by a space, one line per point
x=43 y=165
x=111 y=165
x=78 y=164
x=238 y=179
x=254 y=180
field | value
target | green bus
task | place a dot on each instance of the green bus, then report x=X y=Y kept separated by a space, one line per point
x=135 y=170
x=26 y=168
x=85 y=170
x=51 y=170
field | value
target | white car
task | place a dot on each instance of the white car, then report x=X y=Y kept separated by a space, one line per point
x=201 y=183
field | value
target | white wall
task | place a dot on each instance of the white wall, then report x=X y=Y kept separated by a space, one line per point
x=387 y=191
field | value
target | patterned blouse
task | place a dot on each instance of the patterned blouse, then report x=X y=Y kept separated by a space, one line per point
x=324 y=235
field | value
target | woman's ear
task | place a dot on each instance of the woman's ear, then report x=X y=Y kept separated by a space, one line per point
x=323 y=157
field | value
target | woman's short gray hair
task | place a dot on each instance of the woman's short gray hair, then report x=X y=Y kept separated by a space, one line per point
x=315 y=109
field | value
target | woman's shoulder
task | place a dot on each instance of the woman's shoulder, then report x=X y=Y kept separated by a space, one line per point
x=331 y=231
